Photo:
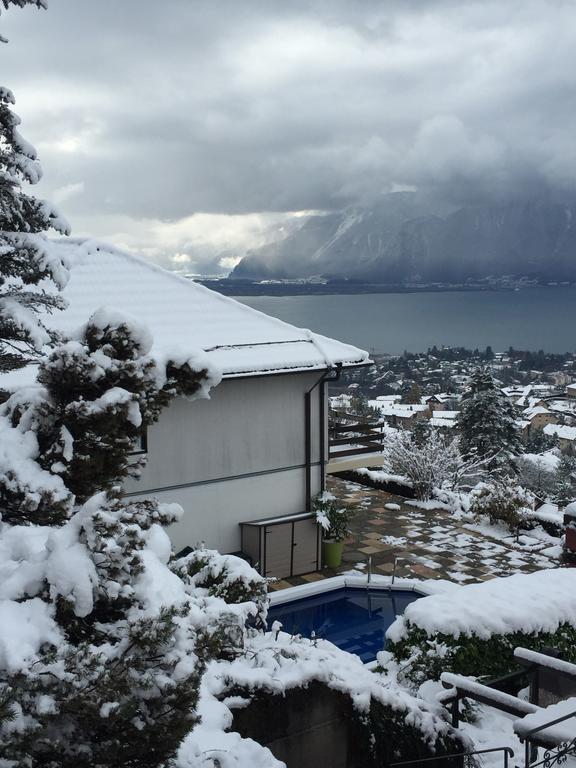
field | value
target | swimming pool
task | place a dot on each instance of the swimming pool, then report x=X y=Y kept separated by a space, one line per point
x=353 y=618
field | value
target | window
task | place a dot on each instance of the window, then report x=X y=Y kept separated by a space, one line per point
x=140 y=444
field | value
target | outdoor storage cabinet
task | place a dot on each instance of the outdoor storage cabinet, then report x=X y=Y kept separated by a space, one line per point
x=282 y=546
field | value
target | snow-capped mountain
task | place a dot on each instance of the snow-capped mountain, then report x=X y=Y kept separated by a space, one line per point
x=405 y=238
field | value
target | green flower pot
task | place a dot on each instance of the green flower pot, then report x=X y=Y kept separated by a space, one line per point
x=332 y=553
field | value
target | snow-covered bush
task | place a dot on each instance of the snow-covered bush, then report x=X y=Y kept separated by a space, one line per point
x=537 y=473
x=332 y=516
x=434 y=463
x=501 y=502
x=385 y=720
x=473 y=629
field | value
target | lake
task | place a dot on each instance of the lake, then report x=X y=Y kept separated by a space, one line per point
x=531 y=318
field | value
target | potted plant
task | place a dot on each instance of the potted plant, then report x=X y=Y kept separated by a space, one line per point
x=333 y=518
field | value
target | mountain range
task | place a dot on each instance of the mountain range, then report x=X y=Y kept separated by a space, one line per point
x=406 y=238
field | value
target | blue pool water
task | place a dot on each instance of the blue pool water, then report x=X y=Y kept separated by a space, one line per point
x=354 y=619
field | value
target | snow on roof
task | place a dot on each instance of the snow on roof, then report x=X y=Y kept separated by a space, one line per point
x=435 y=422
x=401 y=410
x=185 y=316
x=563 y=432
x=445 y=414
x=535 y=411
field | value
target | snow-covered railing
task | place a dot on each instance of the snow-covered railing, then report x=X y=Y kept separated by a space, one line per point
x=557 y=734
x=507 y=754
x=464 y=687
x=526 y=656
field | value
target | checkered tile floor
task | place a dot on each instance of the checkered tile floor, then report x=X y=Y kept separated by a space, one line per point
x=429 y=544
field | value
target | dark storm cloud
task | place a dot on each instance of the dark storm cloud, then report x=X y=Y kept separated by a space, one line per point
x=157 y=110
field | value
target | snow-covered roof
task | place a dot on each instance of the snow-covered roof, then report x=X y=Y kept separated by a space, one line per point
x=563 y=432
x=183 y=315
x=446 y=415
x=402 y=410
x=436 y=422
x=537 y=410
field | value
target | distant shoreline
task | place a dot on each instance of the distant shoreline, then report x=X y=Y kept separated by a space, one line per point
x=235 y=288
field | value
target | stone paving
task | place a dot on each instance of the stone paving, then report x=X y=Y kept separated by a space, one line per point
x=427 y=544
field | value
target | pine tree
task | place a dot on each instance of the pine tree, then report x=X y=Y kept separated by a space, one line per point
x=487 y=421
x=116 y=682
x=565 y=489
x=411 y=393
x=30 y=271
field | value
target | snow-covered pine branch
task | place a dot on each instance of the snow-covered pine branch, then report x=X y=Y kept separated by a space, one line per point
x=31 y=273
x=21 y=4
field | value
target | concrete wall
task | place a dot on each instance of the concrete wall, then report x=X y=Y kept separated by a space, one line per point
x=236 y=457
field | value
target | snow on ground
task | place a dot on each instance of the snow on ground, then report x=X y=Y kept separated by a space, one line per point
x=379 y=476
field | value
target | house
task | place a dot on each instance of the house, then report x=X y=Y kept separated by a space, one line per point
x=440 y=402
x=538 y=417
x=566 y=436
x=442 y=419
x=255 y=452
x=571 y=389
x=400 y=415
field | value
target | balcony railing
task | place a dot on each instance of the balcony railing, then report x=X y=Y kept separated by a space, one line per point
x=355 y=438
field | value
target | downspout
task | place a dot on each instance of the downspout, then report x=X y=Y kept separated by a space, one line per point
x=325 y=380
x=308 y=429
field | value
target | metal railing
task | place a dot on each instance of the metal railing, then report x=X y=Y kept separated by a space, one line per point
x=465 y=758
x=354 y=439
x=552 y=755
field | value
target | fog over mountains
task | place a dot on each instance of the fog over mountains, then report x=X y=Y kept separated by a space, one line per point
x=408 y=238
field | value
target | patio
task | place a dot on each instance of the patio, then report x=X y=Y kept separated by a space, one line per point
x=429 y=544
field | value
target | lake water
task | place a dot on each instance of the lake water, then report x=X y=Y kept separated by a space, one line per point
x=534 y=318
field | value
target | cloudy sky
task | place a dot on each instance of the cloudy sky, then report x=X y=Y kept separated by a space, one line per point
x=184 y=128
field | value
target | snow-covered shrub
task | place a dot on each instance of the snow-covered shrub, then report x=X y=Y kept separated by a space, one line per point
x=434 y=463
x=332 y=516
x=537 y=473
x=225 y=576
x=473 y=629
x=275 y=667
x=501 y=502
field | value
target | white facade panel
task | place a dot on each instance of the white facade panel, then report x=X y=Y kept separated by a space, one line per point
x=213 y=511
x=239 y=456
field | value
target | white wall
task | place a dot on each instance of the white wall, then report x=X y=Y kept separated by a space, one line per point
x=239 y=456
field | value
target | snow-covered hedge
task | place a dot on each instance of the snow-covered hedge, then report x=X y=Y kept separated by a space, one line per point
x=473 y=629
x=275 y=664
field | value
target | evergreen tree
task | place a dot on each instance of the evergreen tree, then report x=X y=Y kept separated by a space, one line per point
x=538 y=441
x=565 y=488
x=30 y=271
x=122 y=635
x=411 y=393
x=487 y=421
